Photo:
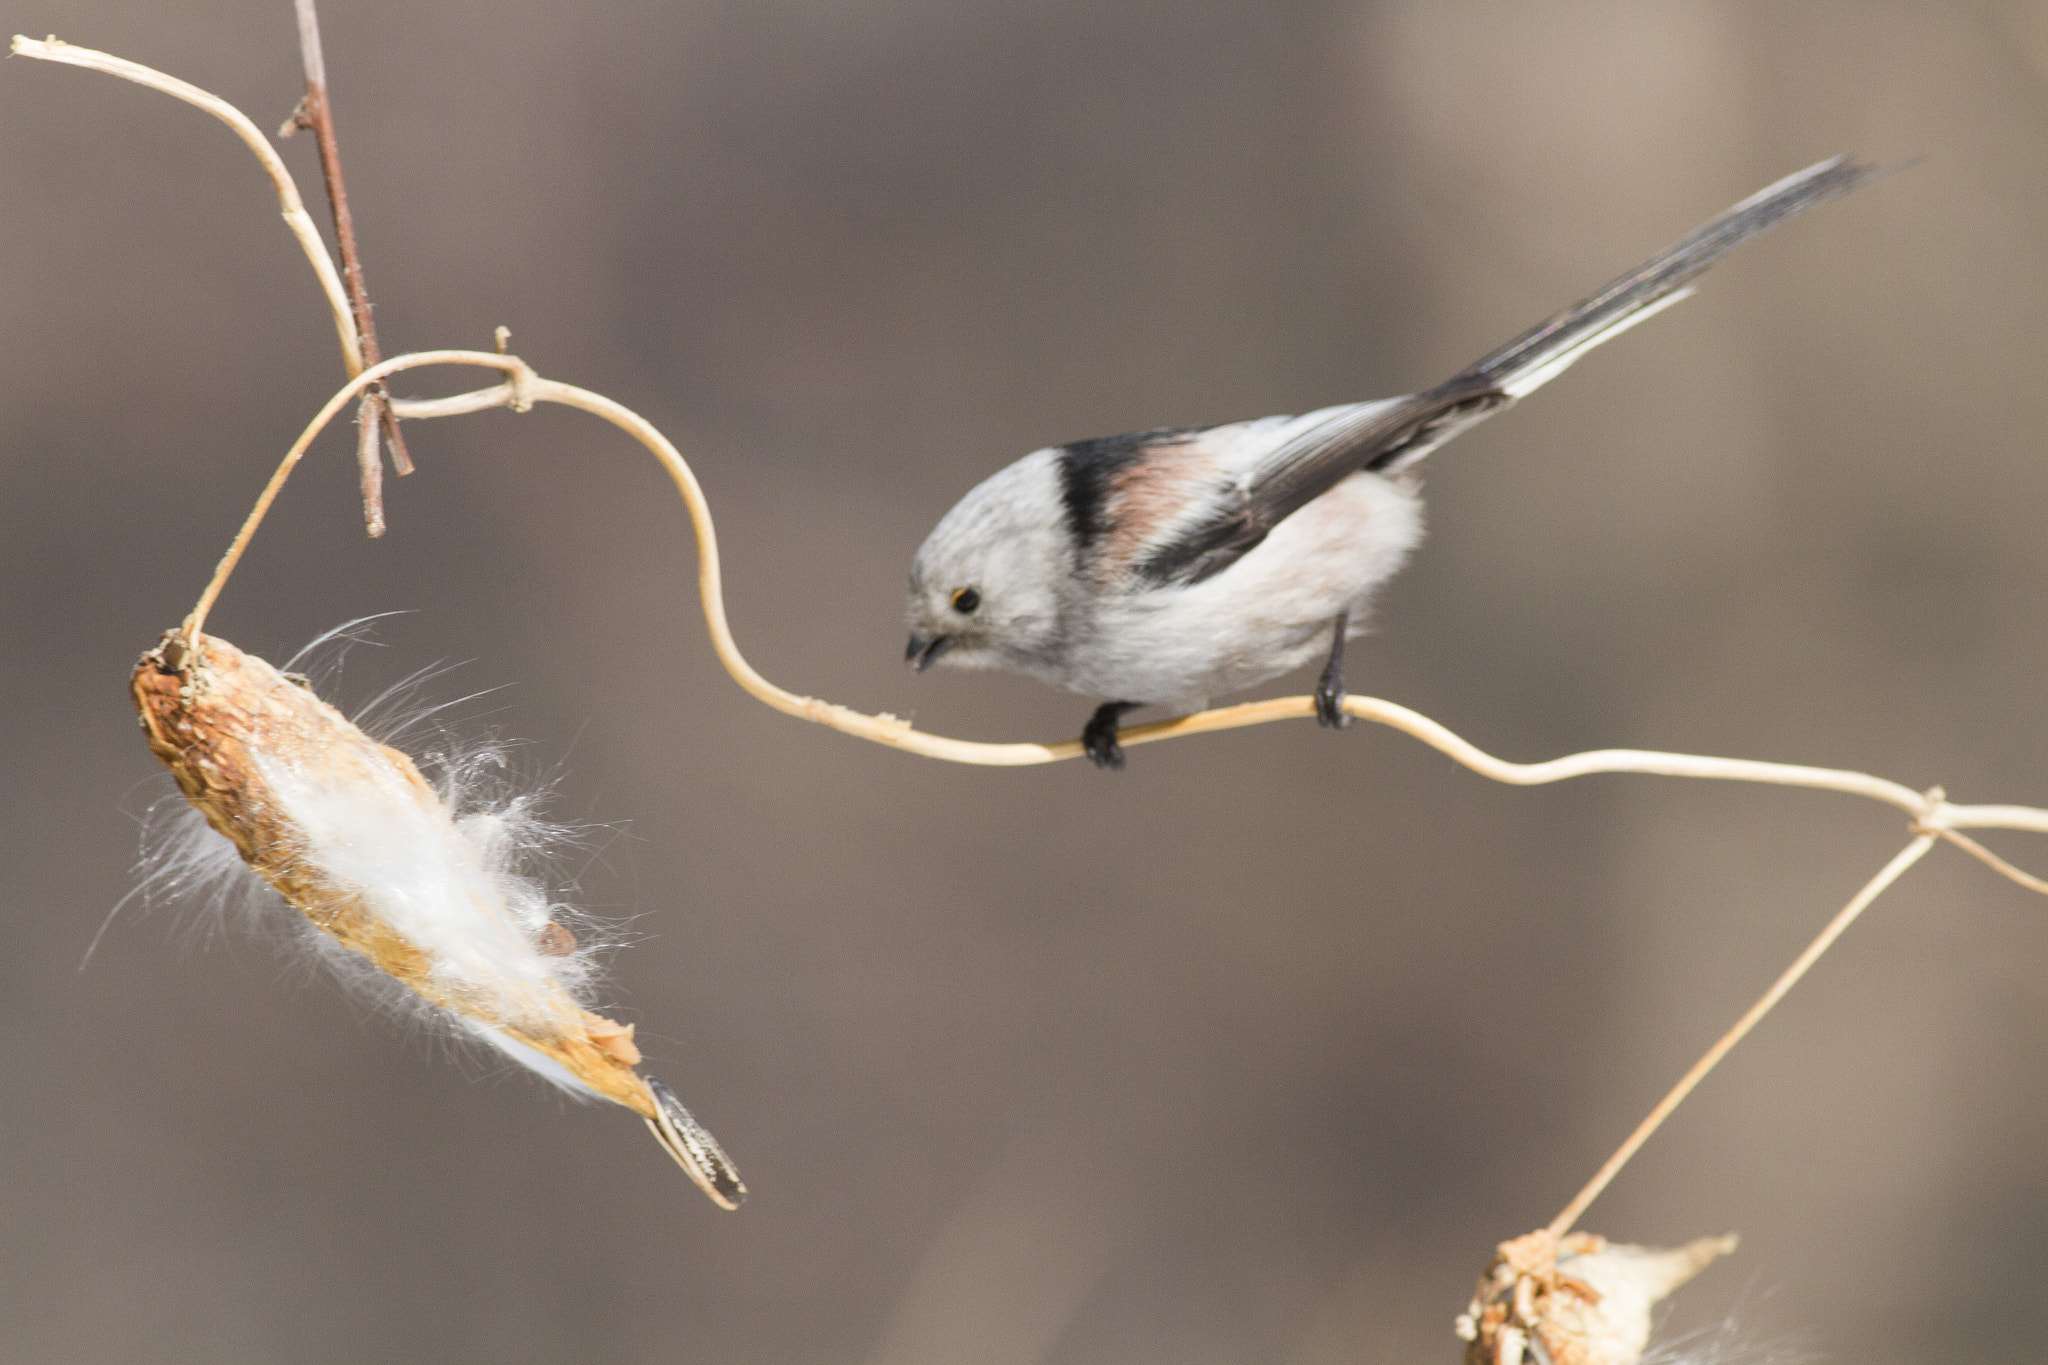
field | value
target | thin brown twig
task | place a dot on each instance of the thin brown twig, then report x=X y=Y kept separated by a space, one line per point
x=1906 y=857
x=316 y=114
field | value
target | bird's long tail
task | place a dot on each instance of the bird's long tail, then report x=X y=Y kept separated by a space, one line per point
x=1546 y=350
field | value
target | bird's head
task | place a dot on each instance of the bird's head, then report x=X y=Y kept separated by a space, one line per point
x=988 y=586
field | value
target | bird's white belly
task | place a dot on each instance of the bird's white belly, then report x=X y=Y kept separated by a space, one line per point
x=1270 y=612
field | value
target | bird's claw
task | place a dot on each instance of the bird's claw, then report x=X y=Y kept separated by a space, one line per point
x=1330 y=712
x=1103 y=750
x=1098 y=737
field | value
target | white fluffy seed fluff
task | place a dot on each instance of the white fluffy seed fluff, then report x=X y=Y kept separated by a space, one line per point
x=451 y=875
x=456 y=892
x=445 y=884
x=1577 y=1300
x=426 y=884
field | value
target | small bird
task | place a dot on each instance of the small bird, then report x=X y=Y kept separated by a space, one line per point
x=1167 y=567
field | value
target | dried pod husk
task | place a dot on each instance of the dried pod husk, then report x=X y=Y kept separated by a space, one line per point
x=1576 y=1300
x=357 y=841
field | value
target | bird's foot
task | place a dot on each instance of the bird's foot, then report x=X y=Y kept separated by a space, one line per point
x=1099 y=735
x=1330 y=687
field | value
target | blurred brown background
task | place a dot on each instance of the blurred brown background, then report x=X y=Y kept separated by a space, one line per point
x=1249 y=1054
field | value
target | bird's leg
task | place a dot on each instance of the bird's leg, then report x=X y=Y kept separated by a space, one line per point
x=1099 y=736
x=1330 y=687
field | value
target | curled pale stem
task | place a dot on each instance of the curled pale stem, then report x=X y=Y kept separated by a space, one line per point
x=523 y=388
x=295 y=215
x=1934 y=817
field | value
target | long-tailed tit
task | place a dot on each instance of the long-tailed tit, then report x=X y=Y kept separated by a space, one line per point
x=1168 y=567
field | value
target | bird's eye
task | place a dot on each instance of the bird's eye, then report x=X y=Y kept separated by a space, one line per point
x=966 y=600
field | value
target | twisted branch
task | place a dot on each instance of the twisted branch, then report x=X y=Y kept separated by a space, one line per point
x=1931 y=811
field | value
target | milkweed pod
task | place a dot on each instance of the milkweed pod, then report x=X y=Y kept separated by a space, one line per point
x=1575 y=1300
x=353 y=837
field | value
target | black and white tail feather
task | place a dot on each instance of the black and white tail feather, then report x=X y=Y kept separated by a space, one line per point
x=1385 y=438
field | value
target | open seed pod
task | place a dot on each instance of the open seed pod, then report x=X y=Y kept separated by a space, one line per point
x=356 y=840
x=1576 y=1300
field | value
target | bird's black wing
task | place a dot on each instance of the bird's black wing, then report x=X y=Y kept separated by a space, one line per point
x=1309 y=464
x=1388 y=436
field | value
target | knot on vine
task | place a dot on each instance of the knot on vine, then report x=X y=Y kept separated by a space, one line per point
x=520 y=379
x=1933 y=815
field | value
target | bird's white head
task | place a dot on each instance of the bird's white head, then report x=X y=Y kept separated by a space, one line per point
x=990 y=586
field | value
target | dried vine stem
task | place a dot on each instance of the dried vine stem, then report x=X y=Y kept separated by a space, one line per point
x=1934 y=817
x=1932 y=813
x=1892 y=871
x=295 y=216
x=348 y=299
x=316 y=114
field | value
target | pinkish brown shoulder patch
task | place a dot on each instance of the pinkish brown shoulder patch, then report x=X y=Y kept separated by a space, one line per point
x=1152 y=497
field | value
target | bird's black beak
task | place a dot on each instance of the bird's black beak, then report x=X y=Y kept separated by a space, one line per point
x=922 y=651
